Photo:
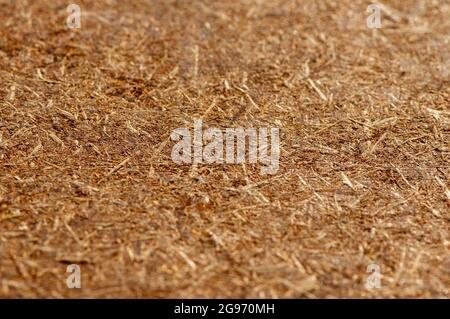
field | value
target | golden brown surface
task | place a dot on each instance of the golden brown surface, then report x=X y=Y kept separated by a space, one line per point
x=86 y=175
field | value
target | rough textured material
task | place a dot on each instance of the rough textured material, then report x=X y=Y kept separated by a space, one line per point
x=86 y=175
